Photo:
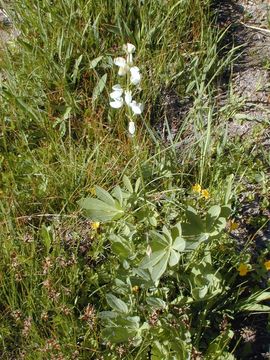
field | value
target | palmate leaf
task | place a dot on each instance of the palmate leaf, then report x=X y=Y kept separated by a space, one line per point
x=122 y=329
x=150 y=261
x=98 y=210
x=158 y=240
x=105 y=208
x=167 y=247
x=121 y=246
x=117 y=334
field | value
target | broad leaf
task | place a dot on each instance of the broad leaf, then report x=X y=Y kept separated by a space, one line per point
x=103 y=195
x=211 y=217
x=156 y=303
x=174 y=258
x=116 y=304
x=159 y=269
x=98 y=210
x=194 y=219
x=179 y=244
x=150 y=261
x=127 y=184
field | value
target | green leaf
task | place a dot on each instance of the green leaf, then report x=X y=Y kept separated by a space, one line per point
x=107 y=315
x=121 y=250
x=255 y=307
x=98 y=210
x=156 y=303
x=219 y=225
x=116 y=304
x=121 y=246
x=265 y=295
x=75 y=72
x=199 y=293
x=137 y=185
x=228 y=194
x=225 y=211
x=118 y=194
x=117 y=334
x=99 y=87
x=159 y=269
x=193 y=242
x=195 y=224
x=95 y=61
x=127 y=184
x=174 y=258
x=123 y=329
x=46 y=236
x=149 y=261
x=158 y=241
x=176 y=231
x=167 y=234
x=179 y=244
x=104 y=196
x=211 y=216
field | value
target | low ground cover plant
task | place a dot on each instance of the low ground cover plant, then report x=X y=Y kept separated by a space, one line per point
x=119 y=224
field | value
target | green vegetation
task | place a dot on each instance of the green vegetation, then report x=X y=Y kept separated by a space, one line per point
x=116 y=246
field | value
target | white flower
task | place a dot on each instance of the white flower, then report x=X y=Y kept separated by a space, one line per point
x=135 y=75
x=117 y=103
x=129 y=50
x=117 y=92
x=116 y=95
x=137 y=108
x=128 y=97
x=123 y=66
x=131 y=128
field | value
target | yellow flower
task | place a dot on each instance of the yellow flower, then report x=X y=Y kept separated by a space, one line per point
x=243 y=269
x=267 y=264
x=205 y=194
x=197 y=188
x=93 y=191
x=95 y=225
x=233 y=225
x=135 y=289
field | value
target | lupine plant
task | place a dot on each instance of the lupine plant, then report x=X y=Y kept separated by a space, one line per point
x=123 y=94
x=169 y=292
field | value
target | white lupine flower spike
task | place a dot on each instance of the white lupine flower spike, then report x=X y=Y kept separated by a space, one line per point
x=123 y=95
